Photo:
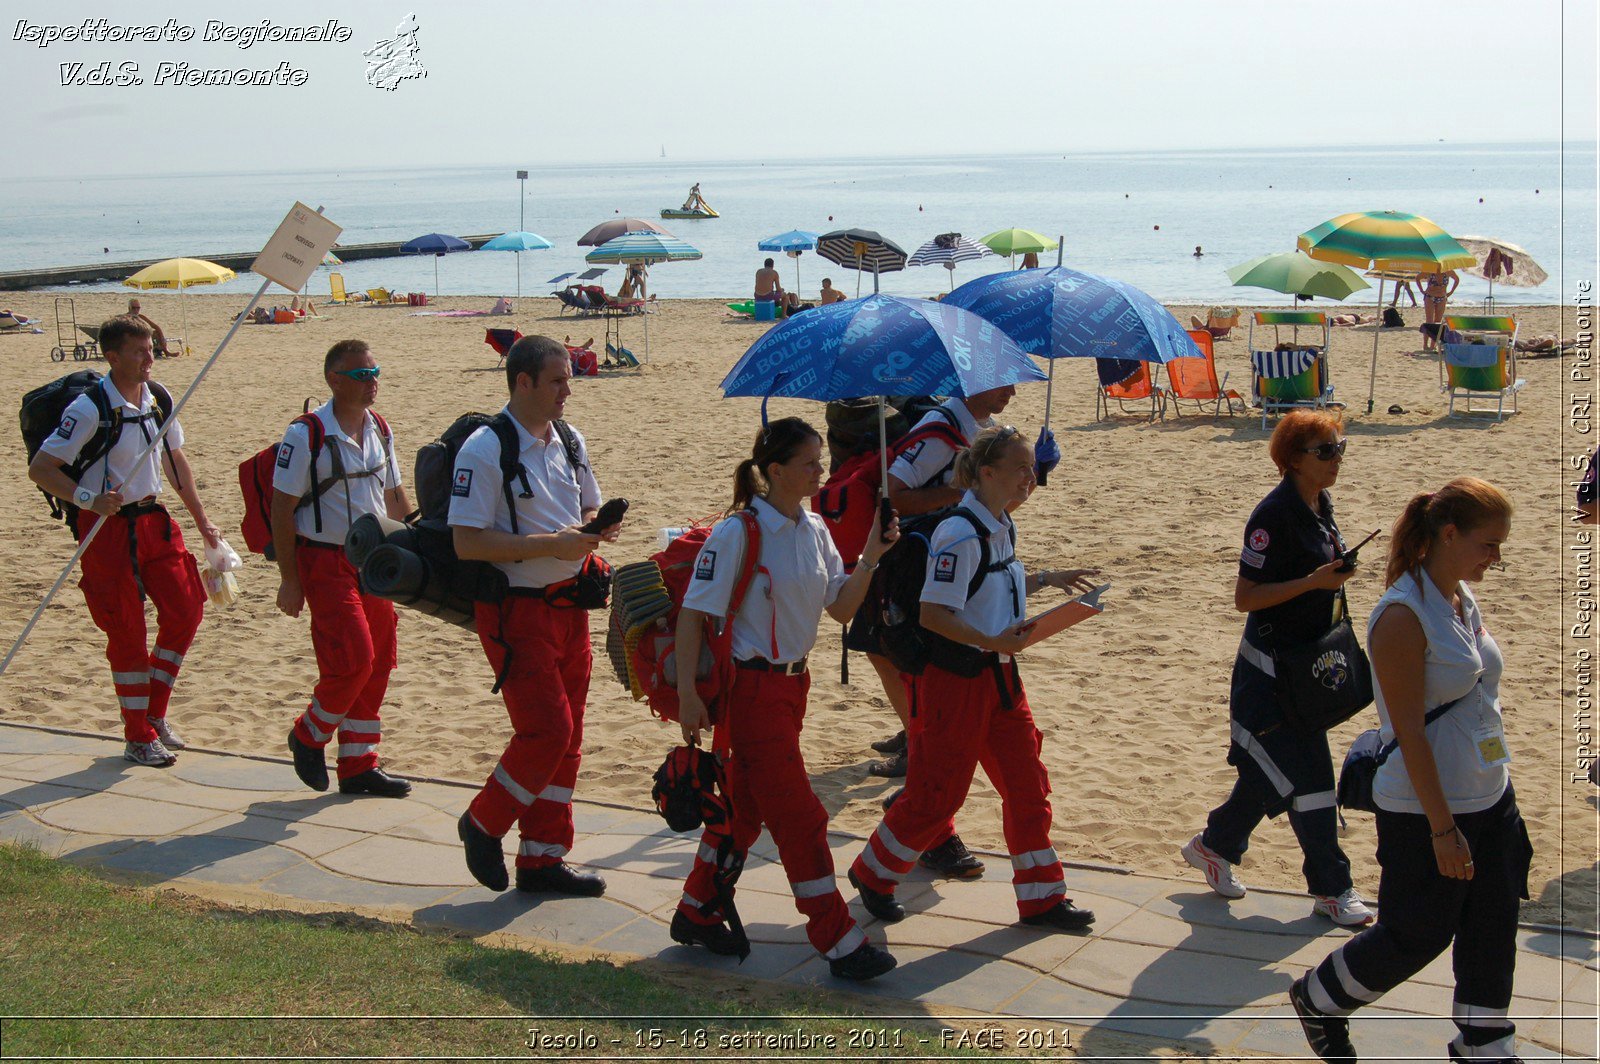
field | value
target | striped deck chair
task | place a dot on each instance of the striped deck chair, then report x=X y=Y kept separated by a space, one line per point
x=1288 y=379
x=1480 y=362
x=1195 y=379
x=1125 y=380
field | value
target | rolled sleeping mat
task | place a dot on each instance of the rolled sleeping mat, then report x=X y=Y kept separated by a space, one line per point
x=366 y=533
x=406 y=579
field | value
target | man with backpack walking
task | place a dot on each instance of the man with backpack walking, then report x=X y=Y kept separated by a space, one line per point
x=88 y=462
x=336 y=464
x=522 y=511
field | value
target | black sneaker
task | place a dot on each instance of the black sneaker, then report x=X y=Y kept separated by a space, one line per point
x=560 y=878
x=879 y=904
x=718 y=938
x=485 y=860
x=894 y=744
x=893 y=768
x=867 y=962
x=1063 y=917
x=1456 y=1055
x=952 y=858
x=1328 y=1036
x=309 y=764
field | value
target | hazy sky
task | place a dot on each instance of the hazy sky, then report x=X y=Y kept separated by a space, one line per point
x=538 y=83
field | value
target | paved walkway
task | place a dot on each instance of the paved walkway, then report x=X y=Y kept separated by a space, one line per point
x=1166 y=959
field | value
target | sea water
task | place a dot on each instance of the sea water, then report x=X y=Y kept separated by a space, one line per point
x=1134 y=216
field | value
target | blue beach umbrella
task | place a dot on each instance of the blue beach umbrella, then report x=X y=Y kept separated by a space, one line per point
x=517 y=243
x=435 y=244
x=1065 y=313
x=792 y=243
x=877 y=346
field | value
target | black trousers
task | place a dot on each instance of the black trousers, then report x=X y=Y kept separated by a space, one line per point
x=1420 y=912
x=1281 y=769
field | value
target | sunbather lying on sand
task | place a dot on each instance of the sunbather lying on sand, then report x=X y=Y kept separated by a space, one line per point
x=1545 y=344
x=1352 y=319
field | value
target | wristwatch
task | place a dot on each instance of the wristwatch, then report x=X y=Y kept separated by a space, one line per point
x=85 y=497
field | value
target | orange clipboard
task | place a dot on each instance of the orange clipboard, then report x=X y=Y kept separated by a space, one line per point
x=1064 y=616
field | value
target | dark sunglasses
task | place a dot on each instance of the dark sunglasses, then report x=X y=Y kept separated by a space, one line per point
x=364 y=374
x=996 y=442
x=1327 y=452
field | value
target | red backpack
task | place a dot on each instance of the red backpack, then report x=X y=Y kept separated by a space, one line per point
x=255 y=481
x=645 y=602
x=849 y=500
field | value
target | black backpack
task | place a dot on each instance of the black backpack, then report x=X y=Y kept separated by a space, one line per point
x=892 y=609
x=1392 y=318
x=435 y=476
x=41 y=413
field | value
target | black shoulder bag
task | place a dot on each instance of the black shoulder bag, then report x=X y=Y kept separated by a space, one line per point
x=1325 y=681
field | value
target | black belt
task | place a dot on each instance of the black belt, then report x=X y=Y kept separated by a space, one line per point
x=793 y=668
x=316 y=544
x=140 y=508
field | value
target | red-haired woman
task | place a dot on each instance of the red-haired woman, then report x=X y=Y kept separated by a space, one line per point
x=1289 y=586
x=1453 y=847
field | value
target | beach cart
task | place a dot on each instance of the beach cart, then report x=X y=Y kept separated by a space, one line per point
x=67 y=330
x=1480 y=362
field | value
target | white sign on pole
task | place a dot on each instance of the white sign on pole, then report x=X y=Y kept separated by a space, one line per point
x=297 y=248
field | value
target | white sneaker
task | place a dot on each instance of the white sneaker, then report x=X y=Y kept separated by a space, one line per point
x=152 y=754
x=169 y=738
x=1219 y=873
x=1347 y=910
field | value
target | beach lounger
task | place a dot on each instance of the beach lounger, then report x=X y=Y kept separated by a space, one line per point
x=1290 y=378
x=382 y=297
x=1124 y=380
x=10 y=321
x=1195 y=379
x=577 y=300
x=1480 y=362
x=336 y=289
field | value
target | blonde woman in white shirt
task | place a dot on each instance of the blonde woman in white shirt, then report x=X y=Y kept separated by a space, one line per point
x=799 y=574
x=1452 y=845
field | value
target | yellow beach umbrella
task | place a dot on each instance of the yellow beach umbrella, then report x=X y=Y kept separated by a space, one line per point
x=180 y=274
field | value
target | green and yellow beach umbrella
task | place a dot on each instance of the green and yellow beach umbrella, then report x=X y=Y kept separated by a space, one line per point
x=1010 y=242
x=1387 y=241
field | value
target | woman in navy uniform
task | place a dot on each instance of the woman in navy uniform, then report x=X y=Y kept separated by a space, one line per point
x=1289 y=578
x=1453 y=847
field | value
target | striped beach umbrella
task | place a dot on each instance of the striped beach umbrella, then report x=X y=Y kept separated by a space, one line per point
x=946 y=250
x=862 y=250
x=1391 y=241
x=643 y=247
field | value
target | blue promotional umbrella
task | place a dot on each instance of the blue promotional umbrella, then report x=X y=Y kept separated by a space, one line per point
x=881 y=345
x=435 y=244
x=793 y=243
x=1065 y=313
x=517 y=243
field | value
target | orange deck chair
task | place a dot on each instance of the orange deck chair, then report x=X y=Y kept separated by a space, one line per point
x=1124 y=380
x=1195 y=379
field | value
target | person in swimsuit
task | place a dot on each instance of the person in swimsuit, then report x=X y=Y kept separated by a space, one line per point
x=1436 y=291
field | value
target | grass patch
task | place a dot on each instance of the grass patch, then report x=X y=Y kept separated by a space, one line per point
x=75 y=946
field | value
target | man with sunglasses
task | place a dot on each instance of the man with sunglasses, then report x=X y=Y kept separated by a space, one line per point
x=335 y=465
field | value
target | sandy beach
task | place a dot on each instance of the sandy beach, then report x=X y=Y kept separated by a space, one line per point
x=1133 y=705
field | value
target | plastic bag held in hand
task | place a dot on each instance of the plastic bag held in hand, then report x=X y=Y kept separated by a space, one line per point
x=1046 y=454
x=222 y=558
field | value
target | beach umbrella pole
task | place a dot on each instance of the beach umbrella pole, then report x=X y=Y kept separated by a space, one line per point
x=518 y=256
x=1377 y=331
x=137 y=463
x=436 y=277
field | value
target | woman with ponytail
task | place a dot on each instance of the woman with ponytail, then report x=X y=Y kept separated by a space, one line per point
x=968 y=706
x=798 y=574
x=1451 y=842
x=1292 y=571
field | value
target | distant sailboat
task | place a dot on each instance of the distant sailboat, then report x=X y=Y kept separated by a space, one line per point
x=663 y=151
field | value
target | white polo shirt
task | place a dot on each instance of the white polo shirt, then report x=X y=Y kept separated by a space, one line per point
x=559 y=495
x=953 y=556
x=344 y=500
x=920 y=465
x=116 y=470
x=799 y=574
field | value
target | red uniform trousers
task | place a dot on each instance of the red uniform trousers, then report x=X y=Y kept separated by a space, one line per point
x=958 y=723
x=768 y=784
x=354 y=639
x=541 y=655
x=132 y=558
x=949 y=828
